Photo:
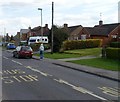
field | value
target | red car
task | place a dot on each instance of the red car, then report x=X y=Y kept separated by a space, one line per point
x=23 y=51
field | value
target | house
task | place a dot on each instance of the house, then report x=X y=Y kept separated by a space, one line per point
x=24 y=34
x=36 y=31
x=76 y=32
x=17 y=38
x=106 y=32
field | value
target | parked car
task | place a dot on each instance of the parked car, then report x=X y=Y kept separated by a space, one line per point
x=23 y=51
x=11 y=46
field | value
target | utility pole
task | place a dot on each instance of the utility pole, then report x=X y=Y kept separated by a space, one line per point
x=41 y=22
x=52 y=28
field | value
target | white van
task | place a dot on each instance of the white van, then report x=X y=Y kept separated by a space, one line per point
x=37 y=39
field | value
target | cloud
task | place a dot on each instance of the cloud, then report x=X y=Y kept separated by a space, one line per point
x=17 y=14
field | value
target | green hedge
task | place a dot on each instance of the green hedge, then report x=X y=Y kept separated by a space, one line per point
x=36 y=46
x=113 y=53
x=115 y=44
x=81 y=44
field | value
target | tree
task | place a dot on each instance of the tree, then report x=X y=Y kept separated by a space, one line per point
x=59 y=35
x=7 y=37
x=11 y=38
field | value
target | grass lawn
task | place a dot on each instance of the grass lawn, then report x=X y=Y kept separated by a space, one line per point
x=59 y=55
x=73 y=53
x=85 y=52
x=102 y=63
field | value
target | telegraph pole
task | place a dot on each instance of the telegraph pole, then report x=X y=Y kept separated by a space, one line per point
x=52 y=28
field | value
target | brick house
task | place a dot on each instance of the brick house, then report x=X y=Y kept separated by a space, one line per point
x=36 y=31
x=76 y=32
x=106 y=32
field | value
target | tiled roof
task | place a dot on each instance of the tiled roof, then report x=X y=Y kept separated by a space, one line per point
x=103 y=30
x=109 y=27
x=24 y=31
x=97 y=31
x=72 y=28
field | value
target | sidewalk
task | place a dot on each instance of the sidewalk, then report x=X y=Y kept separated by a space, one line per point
x=113 y=75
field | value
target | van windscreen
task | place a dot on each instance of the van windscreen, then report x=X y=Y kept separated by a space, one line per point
x=32 y=40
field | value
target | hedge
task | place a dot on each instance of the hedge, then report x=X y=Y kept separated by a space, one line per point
x=36 y=46
x=81 y=44
x=115 y=44
x=113 y=53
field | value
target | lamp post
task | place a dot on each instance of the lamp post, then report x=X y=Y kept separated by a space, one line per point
x=41 y=21
x=52 y=28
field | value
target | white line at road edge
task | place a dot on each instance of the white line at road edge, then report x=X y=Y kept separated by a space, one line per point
x=36 y=70
x=5 y=57
x=17 y=62
x=80 y=89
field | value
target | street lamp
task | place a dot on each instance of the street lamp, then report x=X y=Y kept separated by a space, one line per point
x=41 y=21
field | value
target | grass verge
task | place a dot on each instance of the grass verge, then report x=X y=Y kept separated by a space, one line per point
x=85 y=52
x=108 y=64
x=73 y=53
x=59 y=55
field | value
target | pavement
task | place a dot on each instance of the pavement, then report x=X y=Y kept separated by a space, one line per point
x=112 y=75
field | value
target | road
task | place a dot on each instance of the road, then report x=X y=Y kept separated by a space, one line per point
x=30 y=79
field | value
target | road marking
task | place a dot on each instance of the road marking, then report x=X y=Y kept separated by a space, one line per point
x=114 y=92
x=36 y=70
x=13 y=71
x=80 y=89
x=5 y=57
x=17 y=62
x=21 y=78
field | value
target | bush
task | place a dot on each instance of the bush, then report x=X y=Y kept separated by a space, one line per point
x=81 y=44
x=113 y=53
x=36 y=46
x=115 y=44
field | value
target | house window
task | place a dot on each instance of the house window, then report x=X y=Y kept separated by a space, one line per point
x=114 y=36
x=83 y=37
x=75 y=38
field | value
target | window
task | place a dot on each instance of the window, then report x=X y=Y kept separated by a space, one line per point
x=83 y=37
x=32 y=40
x=114 y=36
x=45 y=39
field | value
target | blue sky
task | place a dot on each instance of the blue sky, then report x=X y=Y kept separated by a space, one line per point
x=20 y=14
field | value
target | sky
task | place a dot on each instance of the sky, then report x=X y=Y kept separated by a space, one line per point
x=20 y=14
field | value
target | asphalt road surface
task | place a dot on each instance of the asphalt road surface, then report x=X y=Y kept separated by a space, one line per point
x=30 y=79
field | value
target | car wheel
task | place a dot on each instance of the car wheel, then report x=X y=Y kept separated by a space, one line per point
x=30 y=56
x=13 y=55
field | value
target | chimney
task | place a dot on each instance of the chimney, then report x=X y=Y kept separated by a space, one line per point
x=65 y=25
x=46 y=25
x=100 y=23
x=29 y=28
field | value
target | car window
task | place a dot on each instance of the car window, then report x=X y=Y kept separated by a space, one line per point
x=11 y=44
x=26 y=48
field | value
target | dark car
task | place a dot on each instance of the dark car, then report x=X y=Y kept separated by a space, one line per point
x=23 y=51
x=11 y=46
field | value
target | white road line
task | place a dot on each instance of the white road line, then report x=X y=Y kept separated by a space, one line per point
x=36 y=70
x=17 y=62
x=80 y=89
x=5 y=57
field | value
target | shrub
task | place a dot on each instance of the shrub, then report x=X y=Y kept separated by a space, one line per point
x=113 y=53
x=115 y=44
x=36 y=46
x=81 y=44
